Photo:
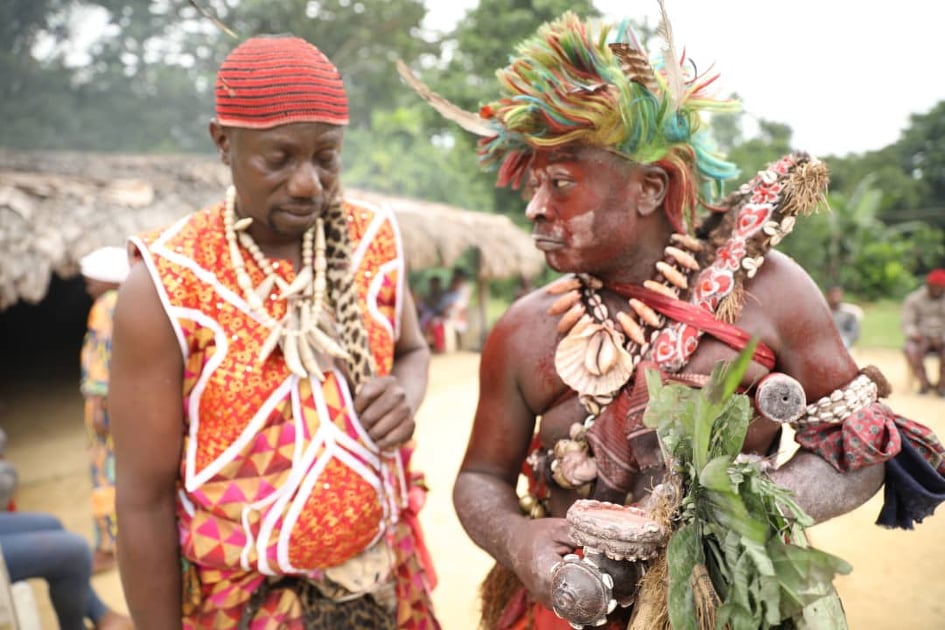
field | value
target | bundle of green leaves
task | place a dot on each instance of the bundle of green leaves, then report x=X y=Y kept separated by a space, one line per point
x=733 y=522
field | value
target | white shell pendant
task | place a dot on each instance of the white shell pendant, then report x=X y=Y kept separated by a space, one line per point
x=594 y=360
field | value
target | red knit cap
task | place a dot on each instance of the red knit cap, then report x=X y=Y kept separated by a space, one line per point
x=270 y=81
x=936 y=278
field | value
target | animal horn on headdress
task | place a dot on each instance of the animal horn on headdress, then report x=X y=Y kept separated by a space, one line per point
x=469 y=121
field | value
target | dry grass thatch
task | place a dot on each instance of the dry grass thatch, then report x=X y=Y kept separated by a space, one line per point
x=56 y=207
x=436 y=235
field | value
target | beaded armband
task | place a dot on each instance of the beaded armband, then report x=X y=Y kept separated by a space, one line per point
x=780 y=398
x=841 y=403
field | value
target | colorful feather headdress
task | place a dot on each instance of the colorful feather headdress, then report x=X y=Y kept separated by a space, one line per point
x=574 y=82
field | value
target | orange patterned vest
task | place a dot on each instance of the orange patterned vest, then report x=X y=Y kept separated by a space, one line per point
x=277 y=475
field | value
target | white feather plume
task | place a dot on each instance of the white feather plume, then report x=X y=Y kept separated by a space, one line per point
x=469 y=121
x=675 y=81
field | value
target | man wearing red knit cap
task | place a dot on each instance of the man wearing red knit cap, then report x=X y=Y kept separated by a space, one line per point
x=923 y=323
x=267 y=367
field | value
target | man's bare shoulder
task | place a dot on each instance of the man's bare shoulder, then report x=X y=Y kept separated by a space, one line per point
x=789 y=309
x=139 y=312
x=782 y=285
x=525 y=328
x=530 y=310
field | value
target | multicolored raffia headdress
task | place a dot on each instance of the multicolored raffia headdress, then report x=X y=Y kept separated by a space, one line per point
x=574 y=82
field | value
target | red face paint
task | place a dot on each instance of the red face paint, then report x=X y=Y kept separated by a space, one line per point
x=581 y=203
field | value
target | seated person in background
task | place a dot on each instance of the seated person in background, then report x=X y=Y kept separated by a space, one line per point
x=35 y=545
x=923 y=324
x=449 y=314
x=427 y=304
x=846 y=317
x=454 y=302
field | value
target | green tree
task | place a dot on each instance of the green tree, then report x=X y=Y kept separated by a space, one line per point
x=922 y=153
x=851 y=246
x=394 y=155
x=133 y=91
x=901 y=189
x=362 y=37
x=147 y=83
x=726 y=129
x=772 y=141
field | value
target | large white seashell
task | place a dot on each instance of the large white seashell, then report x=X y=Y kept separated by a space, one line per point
x=570 y=363
x=601 y=353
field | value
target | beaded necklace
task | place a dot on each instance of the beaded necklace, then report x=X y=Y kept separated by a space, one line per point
x=306 y=334
x=598 y=354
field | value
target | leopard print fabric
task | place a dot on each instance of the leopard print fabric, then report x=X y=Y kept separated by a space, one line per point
x=344 y=295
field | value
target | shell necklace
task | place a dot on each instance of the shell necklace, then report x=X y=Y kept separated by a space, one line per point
x=306 y=334
x=598 y=355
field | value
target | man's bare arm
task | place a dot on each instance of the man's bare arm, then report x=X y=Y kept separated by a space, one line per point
x=485 y=491
x=145 y=401
x=387 y=405
x=411 y=356
x=810 y=350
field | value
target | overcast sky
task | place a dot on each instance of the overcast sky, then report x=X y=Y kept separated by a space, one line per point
x=844 y=75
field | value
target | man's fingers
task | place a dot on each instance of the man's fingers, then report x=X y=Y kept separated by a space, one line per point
x=367 y=393
x=399 y=433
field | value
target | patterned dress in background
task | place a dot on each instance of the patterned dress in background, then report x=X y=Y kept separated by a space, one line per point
x=96 y=352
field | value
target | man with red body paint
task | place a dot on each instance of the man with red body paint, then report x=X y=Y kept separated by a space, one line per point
x=614 y=167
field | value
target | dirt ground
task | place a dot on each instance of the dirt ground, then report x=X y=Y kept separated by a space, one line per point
x=897 y=579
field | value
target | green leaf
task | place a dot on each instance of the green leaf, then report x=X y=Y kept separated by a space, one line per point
x=704 y=417
x=683 y=553
x=726 y=377
x=806 y=574
x=728 y=510
x=730 y=428
x=826 y=612
x=735 y=518
x=714 y=475
x=757 y=553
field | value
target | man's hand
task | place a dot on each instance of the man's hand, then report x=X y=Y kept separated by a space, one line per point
x=385 y=413
x=536 y=546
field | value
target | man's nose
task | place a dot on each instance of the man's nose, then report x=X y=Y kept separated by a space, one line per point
x=537 y=207
x=305 y=182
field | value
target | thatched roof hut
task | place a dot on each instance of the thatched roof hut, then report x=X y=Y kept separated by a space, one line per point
x=56 y=207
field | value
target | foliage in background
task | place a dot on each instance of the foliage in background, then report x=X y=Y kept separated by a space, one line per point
x=482 y=43
x=362 y=38
x=136 y=88
x=144 y=84
x=848 y=245
x=881 y=327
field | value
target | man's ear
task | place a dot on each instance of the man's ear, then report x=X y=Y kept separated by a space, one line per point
x=221 y=137
x=654 y=183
